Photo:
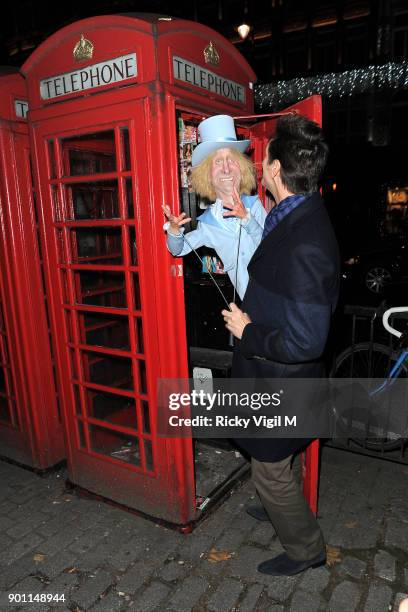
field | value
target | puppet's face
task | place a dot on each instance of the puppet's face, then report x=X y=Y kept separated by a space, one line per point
x=225 y=173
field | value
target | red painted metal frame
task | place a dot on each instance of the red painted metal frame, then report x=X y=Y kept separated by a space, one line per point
x=34 y=436
x=147 y=106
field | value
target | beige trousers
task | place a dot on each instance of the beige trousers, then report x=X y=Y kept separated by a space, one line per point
x=282 y=498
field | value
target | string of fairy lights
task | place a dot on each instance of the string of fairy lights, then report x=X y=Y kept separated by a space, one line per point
x=275 y=95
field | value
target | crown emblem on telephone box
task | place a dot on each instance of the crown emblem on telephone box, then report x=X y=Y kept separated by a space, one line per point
x=211 y=55
x=83 y=49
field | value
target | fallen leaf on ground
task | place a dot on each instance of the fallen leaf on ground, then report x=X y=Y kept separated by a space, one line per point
x=39 y=557
x=333 y=556
x=215 y=556
x=351 y=524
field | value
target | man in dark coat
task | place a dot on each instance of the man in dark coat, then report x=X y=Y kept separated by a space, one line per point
x=284 y=323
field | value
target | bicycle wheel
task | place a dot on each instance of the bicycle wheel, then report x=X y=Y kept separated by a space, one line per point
x=366 y=360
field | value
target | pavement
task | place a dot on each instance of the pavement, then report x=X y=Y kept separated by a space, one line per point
x=95 y=556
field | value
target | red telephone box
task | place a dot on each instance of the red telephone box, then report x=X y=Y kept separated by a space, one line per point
x=108 y=99
x=30 y=424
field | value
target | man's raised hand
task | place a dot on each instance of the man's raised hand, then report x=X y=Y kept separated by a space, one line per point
x=175 y=222
x=237 y=209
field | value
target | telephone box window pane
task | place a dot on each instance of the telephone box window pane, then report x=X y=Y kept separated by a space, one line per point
x=139 y=335
x=81 y=435
x=133 y=246
x=64 y=287
x=4 y=355
x=56 y=203
x=2 y=381
x=99 y=245
x=148 y=455
x=78 y=404
x=104 y=330
x=89 y=154
x=100 y=289
x=142 y=376
x=146 y=416
x=107 y=370
x=114 y=409
x=93 y=200
x=69 y=321
x=51 y=159
x=129 y=198
x=124 y=133
x=60 y=246
x=136 y=286
x=74 y=371
x=4 y=410
x=114 y=444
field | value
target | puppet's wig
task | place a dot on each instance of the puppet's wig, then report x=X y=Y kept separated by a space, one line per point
x=201 y=176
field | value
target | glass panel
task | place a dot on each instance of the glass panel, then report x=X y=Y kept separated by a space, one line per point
x=4 y=348
x=99 y=200
x=56 y=204
x=73 y=364
x=129 y=198
x=142 y=376
x=81 y=435
x=139 y=335
x=148 y=455
x=136 y=287
x=146 y=416
x=107 y=370
x=93 y=245
x=89 y=154
x=100 y=288
x=133 y=246
x=111 y=408
x=124 y=133
x=4 y=410
x=2 y=380
x=59 y=235
x=78 y=404
x=114 y=444
x=69 y=321
x=104 y=330
x=51 y=159
x=64 y=286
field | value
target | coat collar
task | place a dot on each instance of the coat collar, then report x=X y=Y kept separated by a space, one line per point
x=301 y=212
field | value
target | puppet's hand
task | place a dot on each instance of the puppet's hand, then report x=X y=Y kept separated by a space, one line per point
x=237 y=209
x=235 y=320
x=175 y=222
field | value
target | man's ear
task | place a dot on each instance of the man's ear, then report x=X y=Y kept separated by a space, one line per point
x=275 y=168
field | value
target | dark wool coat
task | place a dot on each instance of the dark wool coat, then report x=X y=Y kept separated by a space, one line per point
x=292 y=292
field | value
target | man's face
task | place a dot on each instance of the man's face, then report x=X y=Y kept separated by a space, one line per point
x=225 y=173
x=268 y=175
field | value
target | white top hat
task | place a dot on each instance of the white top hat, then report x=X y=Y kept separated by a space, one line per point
x=217 y=132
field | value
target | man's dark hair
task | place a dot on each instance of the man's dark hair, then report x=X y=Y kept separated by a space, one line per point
x=300 y=147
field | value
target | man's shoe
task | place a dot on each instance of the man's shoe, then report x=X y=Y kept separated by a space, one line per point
x=258 y=512
x=282 y=565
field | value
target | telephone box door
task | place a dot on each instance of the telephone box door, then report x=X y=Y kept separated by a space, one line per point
x=263 y=131
x=97 y=232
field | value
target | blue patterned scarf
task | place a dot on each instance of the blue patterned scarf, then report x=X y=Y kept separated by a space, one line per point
x=282 y=209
